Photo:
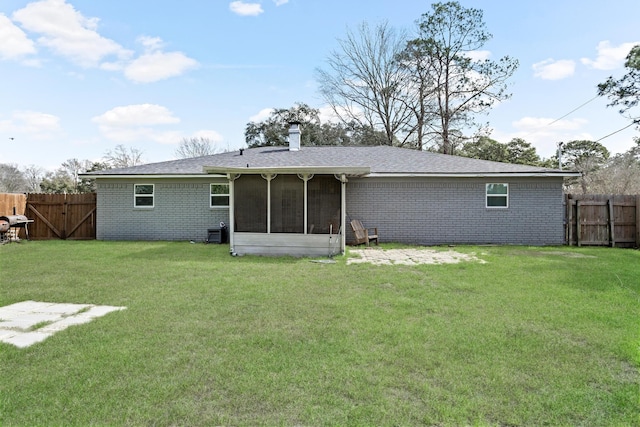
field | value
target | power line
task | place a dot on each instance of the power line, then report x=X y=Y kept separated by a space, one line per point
x=572 y=111
x=619 y=130
x=560 y=118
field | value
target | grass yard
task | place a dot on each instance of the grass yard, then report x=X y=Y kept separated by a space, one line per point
x=534 y=336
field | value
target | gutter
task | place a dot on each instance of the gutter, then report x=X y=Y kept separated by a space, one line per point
x=217 y=172
x=151 y=176
x=561 y=174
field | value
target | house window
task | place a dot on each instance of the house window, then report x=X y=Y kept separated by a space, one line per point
x=497 y=195
x=219 y=195
x=143 y=195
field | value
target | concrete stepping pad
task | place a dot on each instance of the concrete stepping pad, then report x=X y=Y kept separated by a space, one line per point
x=29 y=322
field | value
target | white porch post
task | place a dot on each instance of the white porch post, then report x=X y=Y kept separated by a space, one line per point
x=268 y=177
x=232 y=216
x=305 y=178
x=343 y=207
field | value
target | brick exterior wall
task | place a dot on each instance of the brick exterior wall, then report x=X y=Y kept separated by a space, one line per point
x=446 y=211
x=424 y=211
x=181 y=211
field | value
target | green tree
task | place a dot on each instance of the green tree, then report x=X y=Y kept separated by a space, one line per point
x=584 y=156
x=485 y=148
x=625 y=92
x=462 y=86
x=88 y=185
x=275 y=129
x=582 y=152
x=521 y=152
x=58 y=182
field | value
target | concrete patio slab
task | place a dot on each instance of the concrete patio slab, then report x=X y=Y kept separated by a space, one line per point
x=408 y=256
x=28 y=322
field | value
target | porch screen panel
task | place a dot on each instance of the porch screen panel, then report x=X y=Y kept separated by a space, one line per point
x=250 y=198
x=287 y=204
x=324 y=201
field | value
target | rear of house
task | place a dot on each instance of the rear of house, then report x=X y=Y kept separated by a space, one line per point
x=299 y=201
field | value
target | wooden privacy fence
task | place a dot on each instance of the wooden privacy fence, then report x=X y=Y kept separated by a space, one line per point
x=603 y=220
x=62 y=216
x=12 y=203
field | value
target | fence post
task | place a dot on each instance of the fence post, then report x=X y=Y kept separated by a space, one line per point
x=569 y=220
x=578 y=223
x=612 y=237
x=638 y=221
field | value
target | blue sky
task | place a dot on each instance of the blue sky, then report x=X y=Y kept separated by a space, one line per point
x=79 y=77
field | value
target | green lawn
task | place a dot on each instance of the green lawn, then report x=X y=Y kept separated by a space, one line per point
x=534 y=336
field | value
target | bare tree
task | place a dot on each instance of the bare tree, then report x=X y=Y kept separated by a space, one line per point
x=195 y=147
x=463 y=85
x=123 y=157
x=11 y=179
x=33 y=176
x=74 y=168
x=364 y=83
x=619 y=175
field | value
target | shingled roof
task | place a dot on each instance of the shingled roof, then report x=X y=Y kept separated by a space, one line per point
x=378 y=160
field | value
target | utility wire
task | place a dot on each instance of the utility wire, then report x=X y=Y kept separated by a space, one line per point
x=560 y=118
x=572 y=111
x=619 y=130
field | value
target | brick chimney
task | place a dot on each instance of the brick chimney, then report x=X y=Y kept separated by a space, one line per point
x=294 y=136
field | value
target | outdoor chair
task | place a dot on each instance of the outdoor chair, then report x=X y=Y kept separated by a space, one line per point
x=363 y=235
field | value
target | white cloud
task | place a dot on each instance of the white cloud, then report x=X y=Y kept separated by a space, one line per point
x=544 y=133
x=478 y=55
x=211 y=135
x=68 y=33
x=136 y=115
x=550 y=69
x=36 y=124
x=544 y=123
x=280 y=2
x=151 y=44
x=14 y=43
x=246 y=9
x=609 y=57
x=262 y=115
x=135 y=123
x=155 y=66
x=327 y=114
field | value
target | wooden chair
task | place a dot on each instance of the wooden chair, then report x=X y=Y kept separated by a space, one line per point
x=362 y=234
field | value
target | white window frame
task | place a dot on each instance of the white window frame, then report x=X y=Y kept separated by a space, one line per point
x=212 y=195
x=505 y=196
x=152 y=196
